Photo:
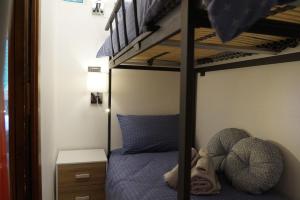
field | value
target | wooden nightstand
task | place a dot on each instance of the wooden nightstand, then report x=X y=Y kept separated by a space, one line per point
x=80 y=175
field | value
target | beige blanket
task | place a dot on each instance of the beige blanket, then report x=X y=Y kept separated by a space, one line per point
x=171 y=177
x=204 y=180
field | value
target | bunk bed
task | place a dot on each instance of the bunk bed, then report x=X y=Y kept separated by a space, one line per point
x=176 y=35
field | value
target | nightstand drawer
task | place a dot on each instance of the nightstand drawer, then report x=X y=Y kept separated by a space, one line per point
x=94 y=192
x=81 y=174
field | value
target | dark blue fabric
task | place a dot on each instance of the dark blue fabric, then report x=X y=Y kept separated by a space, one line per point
x=149 y=133
x=285 y=1
x=228 y=17
x=140 y=177
x=232 y=17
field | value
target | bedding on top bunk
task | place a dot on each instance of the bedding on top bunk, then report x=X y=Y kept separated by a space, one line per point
x=228 y=17
x=140 y=177
x=147 y=11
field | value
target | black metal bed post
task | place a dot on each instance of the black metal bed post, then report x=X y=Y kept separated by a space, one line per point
x=194 y=104
x=124 y=22
x=109 y=114
x=136 y=21
x=117 y=31
x=187 y=98
x=111 y=39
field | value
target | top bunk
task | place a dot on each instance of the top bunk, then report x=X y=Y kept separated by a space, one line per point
x=148 y=36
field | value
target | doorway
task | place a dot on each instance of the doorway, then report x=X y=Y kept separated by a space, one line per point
x=24 y=141
x=4 y=125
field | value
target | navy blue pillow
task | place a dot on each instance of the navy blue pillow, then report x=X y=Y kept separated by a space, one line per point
x=149 y=133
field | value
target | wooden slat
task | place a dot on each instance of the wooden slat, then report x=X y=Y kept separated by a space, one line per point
x=174 y=53
x=246 y=42
x=220 y=47
x=292 y=15
x=151 y=60
x=245 y=39
x=156 y=63
x=253 y=62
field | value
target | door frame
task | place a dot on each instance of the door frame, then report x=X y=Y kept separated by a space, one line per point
x=25 y=163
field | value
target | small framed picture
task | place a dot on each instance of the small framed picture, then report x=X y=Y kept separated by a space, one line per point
x=74 y=1
x=98 y=7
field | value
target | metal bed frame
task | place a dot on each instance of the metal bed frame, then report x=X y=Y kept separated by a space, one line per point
x=183 y=19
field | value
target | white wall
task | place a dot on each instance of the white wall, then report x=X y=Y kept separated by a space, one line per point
x=46 y=89
x=262 y=100
x=69 y=39
x=141 y=93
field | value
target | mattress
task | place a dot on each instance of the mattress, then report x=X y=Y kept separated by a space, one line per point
x=140 y=177
x=229 y=18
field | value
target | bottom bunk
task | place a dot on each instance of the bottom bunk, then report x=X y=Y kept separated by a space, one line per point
x=140 y=177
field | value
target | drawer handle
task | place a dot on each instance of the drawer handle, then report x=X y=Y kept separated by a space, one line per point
x=83 y=198
x=82 y=176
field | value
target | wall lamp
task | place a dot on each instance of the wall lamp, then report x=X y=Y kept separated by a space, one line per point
x=97 y=84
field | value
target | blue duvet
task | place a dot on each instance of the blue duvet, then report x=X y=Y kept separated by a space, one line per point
x=140 y=177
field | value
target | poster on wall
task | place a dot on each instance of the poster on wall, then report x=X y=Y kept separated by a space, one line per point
x=74 y=1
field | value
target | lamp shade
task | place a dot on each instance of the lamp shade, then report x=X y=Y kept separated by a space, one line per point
x=97 y=82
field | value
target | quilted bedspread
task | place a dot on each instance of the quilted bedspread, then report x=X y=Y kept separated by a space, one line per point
x=140 y=177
